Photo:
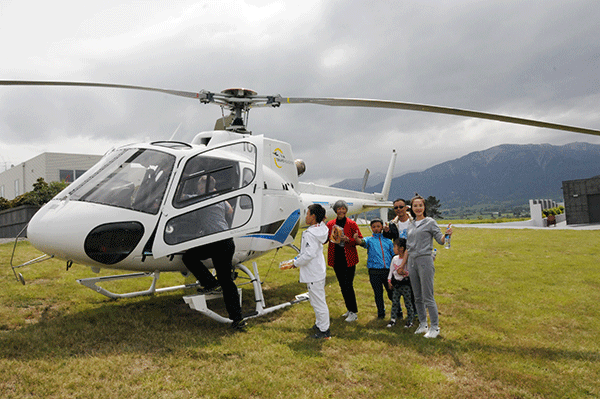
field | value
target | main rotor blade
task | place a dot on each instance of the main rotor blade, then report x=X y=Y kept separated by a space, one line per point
x=357 y=102
x=251 y=101
x=87 y=84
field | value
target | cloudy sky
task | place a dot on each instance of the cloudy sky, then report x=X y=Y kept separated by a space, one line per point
x=535 y=59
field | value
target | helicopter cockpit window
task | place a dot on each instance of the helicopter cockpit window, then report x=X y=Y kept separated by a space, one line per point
x=135 y=179
x=216 y=172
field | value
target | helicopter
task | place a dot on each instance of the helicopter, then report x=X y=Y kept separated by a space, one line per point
x=143 y=205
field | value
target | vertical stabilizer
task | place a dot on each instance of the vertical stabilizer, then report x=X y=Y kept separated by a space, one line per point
x=365 y=178
x=364 y=186
x=385 y=191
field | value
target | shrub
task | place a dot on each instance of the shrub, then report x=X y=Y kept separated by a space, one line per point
x=4 y=204
x=42 y=192
x=553 y=211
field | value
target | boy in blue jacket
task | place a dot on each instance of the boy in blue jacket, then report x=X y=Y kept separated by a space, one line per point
x=380 y=251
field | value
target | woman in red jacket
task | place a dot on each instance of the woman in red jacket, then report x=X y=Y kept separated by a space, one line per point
x=344 y=257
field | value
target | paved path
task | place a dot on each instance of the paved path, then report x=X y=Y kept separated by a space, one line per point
x=5 y=240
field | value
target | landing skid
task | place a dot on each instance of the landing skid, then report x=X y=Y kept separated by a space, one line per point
x=92 y=283
x=197 y=302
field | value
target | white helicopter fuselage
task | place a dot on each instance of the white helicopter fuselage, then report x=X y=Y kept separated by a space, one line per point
x=143 y=205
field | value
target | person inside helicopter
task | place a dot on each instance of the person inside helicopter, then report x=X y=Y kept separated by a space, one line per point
x=217 y=217
x=213 y=220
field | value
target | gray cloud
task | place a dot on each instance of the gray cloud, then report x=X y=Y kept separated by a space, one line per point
x=532 y=59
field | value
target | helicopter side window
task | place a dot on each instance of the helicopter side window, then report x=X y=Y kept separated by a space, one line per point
x=203 y=185
x=215 y=172
x=248 y=175
x=208 y=220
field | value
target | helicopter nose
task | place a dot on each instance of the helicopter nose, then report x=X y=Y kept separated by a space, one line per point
x=112 y=242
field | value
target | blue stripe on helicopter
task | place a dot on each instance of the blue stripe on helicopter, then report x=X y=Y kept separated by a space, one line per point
x=284 y=230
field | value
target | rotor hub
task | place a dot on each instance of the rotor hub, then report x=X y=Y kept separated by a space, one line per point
x=239 y=92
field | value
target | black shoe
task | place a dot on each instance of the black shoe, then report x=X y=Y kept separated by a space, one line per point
x=314 y=328
x=210 y=290
x=381 y=316
x=239 y=325
x=322 y=334
x=408 y=324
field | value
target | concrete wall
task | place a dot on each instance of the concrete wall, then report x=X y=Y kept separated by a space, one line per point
x=535 y=210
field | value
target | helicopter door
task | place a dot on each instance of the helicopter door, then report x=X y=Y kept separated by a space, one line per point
x=217 y=194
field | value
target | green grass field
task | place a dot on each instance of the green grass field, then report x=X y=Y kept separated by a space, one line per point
x=519 y=318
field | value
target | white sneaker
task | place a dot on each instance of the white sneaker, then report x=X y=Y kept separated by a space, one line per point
x=432 y=332
x=421 y=329
x=392 y=323
x=351 y=317
x=346 y=314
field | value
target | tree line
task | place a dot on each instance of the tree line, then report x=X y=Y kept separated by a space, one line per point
x=42 y=192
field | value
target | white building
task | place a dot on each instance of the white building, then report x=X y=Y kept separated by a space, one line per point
x=52 y=166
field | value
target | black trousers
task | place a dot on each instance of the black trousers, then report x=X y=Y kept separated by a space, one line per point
x=345 y=276
x=221 y=253
x=378 y=279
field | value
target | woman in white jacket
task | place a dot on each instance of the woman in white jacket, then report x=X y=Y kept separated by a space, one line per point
x=311 y=263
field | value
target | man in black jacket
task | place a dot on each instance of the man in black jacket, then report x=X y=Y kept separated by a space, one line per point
x=398 y=226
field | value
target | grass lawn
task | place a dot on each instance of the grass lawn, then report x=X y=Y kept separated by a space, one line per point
x=519 y=318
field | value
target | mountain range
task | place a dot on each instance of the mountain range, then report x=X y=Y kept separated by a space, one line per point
x=509 y=173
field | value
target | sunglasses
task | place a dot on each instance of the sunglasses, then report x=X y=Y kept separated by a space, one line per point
x=399 y=207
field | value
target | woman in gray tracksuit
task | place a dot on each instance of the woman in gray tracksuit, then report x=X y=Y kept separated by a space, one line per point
x=419 y=245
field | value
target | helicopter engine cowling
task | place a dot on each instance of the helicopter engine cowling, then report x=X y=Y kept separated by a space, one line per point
x=300 y=167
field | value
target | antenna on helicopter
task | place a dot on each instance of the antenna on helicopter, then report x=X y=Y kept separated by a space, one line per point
x=175 y=132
